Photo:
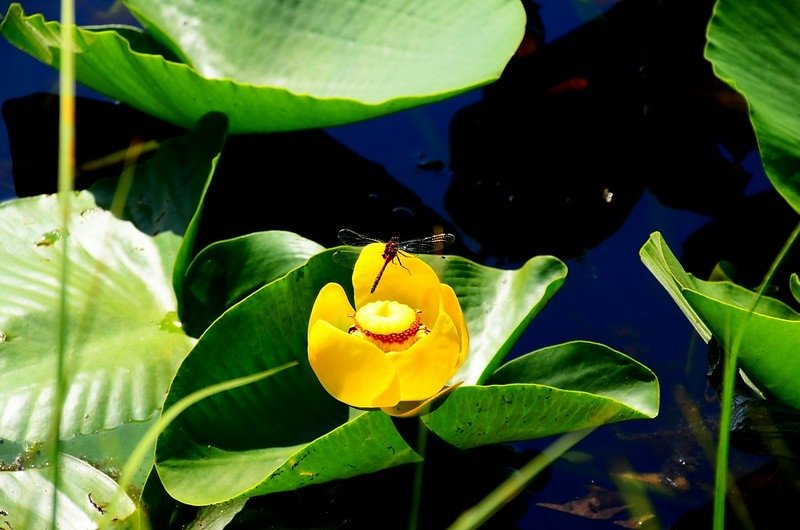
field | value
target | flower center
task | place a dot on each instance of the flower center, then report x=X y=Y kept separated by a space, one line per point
x=390 y=325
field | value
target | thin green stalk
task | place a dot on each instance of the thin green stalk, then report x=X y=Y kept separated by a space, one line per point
x=168 y=416
x=66 y=177
x=728 y=380
x=419 y=471
x=512 y=486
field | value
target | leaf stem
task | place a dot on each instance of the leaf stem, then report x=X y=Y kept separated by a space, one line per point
x=419 y=472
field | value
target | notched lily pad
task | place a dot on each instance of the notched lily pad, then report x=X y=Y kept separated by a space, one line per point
x=305 y=437
x=276 y=66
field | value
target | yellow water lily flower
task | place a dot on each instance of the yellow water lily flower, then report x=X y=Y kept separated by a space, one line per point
x=401 y=343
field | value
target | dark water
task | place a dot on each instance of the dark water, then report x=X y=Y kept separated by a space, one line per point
x=613 y=128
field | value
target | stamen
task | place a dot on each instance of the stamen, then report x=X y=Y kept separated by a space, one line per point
x=391 y=326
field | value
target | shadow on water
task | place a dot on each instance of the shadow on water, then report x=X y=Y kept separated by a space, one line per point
x=313 y=195
x=567 y=140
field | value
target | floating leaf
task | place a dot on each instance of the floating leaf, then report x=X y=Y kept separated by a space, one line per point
x=275 y=66
x=88 y=499
x=297 y=434
x=498 y=305
x=568 y=387
x=120 y=356
x=227 y=271
x=124 y=342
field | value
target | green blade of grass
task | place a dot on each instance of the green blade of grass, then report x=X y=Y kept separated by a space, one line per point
x=728 y=380
x=511 y=487
x=66 y=178
x=149 y=439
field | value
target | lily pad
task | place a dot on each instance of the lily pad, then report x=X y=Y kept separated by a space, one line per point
x=769 y=328
x=753 y=46
x=88 y=499
x=297 y=434
x=568 y=387
x=276 y=66
x=205 y=474
x=498 y=305
x=227 y=271
x=120 y=357
x=123 y=340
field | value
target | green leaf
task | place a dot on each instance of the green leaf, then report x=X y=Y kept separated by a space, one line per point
x=119 y=357
x=216 y=516
x=274 y=65
x=659 y=259
x=204 y=474
x=753 y=46
x=205 y=148
x=498 y=305
x=770 y=328
x=794 y=286
x=562 y=388
x=124 y=341
x=295 y=433
x=264 y=330
x=278 y=434
x=87 y=499
x=166 y=193
x=225 y=272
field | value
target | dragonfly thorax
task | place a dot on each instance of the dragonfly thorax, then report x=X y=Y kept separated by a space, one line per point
x=392 y=246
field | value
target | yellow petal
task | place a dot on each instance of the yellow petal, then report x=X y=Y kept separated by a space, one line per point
x=407 y=279
x=352 y=370
x=452 y=307
x=332 y=306
x=425 y=367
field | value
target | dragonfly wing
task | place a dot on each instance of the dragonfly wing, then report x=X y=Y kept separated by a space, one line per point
x=354 y=239
x=428 y=245
x=346 y=257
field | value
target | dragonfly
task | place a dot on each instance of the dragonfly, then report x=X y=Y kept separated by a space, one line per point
x=394 y=248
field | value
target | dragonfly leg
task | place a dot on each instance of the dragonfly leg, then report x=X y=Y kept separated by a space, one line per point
x=397 y=257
